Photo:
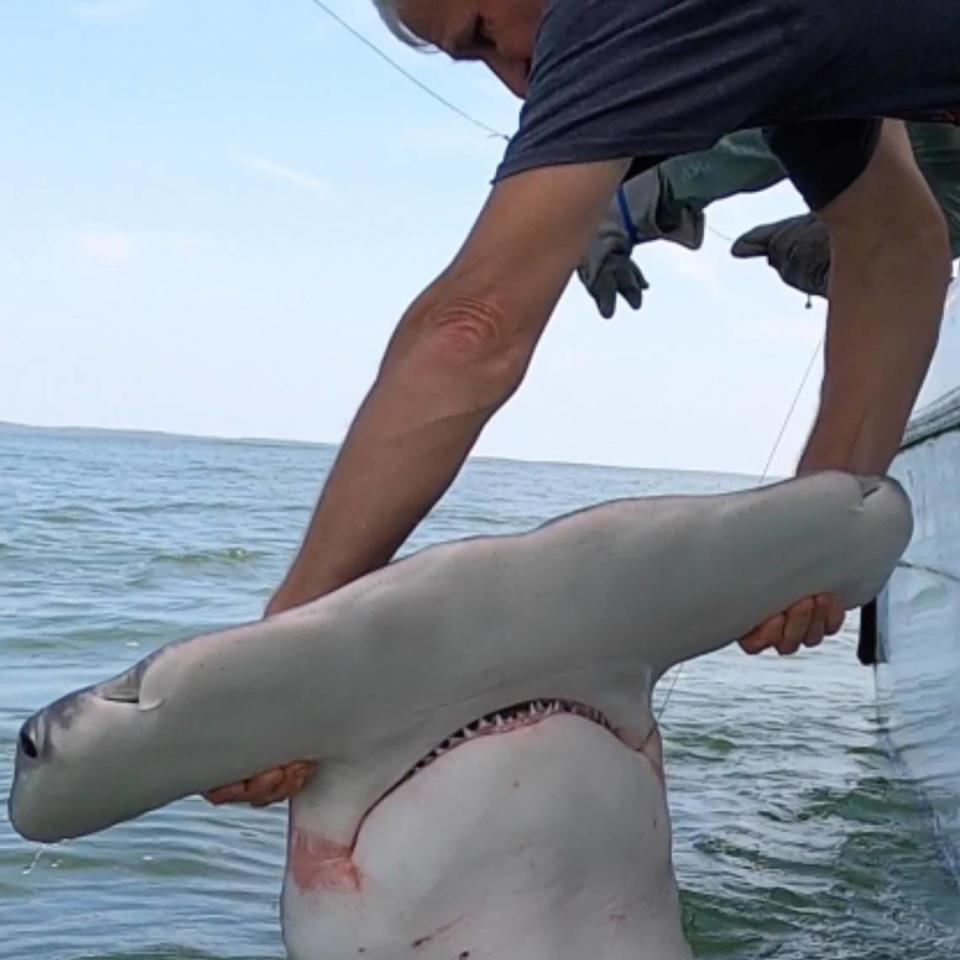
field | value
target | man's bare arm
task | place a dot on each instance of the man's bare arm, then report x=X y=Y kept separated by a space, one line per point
x=890 y=270
x=457 y=355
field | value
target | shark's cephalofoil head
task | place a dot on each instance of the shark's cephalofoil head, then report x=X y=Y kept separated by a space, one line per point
x=591 y=608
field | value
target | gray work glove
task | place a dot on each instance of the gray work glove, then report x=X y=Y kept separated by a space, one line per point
x=606 y=268
x=643 y=209
x=797 y=248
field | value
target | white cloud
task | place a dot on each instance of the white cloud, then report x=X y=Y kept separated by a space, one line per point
x=114 y=247
x=285 y=173
x=109 y=247
x=108 y=9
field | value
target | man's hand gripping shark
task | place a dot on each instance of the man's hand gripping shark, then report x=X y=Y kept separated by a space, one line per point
x=480 y=714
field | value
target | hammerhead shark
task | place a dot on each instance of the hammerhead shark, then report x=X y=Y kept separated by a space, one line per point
x=488 y=783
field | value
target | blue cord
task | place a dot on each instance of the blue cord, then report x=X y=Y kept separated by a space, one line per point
x=627 y=217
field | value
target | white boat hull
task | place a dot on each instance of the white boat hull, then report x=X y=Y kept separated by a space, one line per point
x=917 y=641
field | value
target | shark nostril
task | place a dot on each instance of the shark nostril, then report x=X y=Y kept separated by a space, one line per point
x=28 y=745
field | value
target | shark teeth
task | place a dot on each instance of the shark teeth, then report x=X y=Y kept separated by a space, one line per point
x=512 y=718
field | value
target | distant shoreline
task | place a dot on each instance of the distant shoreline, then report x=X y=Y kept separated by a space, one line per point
x=13 y=426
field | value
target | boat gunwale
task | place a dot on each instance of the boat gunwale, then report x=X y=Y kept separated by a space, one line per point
x=940 y=417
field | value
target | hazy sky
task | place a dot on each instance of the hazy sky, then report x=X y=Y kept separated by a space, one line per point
x=213 y=213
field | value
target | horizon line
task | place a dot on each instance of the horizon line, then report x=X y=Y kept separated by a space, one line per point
x=278 y=441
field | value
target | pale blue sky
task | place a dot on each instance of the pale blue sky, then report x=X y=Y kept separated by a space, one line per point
x=213 y=213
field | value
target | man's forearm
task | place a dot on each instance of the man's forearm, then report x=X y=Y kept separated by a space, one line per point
x=889 y=274
x=439 y=384
x=881 y=333
x=386 y=478
x=456 y=357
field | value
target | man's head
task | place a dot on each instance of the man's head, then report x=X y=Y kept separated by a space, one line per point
x=499 y=33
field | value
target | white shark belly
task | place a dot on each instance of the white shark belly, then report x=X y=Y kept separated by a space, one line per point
x=549 y=842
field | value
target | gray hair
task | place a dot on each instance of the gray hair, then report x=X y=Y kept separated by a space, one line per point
x=390 y=15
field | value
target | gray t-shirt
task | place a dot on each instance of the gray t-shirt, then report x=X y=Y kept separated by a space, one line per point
x=648 y=79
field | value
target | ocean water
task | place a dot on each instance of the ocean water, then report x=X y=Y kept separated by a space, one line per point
x=794 y=835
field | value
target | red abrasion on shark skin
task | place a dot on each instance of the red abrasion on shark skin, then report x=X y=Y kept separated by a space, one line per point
x=318 y=864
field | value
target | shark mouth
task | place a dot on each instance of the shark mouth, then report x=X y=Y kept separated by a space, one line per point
x=315 y=862
x=513 y=718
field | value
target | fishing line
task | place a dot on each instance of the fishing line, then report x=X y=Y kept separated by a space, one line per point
x=666 y=699
x=789 y=416
x=429 y=91
x=763 y=477
x=717 y=233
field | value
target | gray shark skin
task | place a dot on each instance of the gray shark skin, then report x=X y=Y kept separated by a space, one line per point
x=547 y=839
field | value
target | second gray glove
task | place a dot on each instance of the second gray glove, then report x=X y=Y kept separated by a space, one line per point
x=797 y=248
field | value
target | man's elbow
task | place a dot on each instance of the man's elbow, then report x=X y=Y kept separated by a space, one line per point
x=934 y=237
x=470 y=344
x=911 y=243
x=925 y=233
x=924 y=249
x=888 y=220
